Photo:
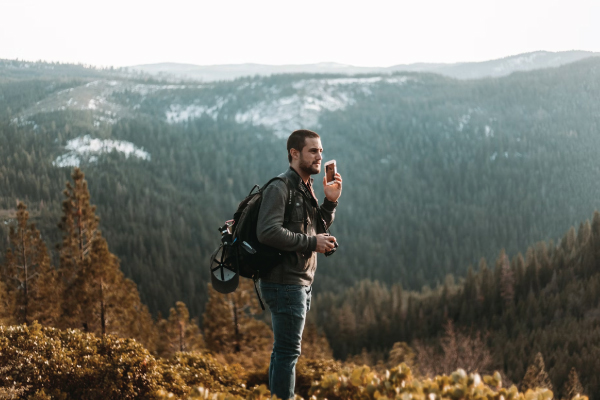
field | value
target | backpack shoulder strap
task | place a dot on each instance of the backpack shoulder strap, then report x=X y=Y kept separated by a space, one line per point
x=289 y=195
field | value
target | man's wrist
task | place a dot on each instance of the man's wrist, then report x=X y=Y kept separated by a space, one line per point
x=312 y=243
x=329 y=205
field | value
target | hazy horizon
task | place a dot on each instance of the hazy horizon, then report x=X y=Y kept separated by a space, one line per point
x=298 y=64
x=268 y=32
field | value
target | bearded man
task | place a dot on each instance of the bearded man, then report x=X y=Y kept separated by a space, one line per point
x=301 y=235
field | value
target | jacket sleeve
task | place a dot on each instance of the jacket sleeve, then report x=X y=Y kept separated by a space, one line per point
x=328 y=211
x=270 y=230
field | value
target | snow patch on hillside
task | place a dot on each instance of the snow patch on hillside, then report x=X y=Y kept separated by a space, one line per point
x=465 y=120
x=287 y=114
x=283 y=113
x=313 y=97
x=88 y=149
x=97 y=97
x=506 y=154
x=179 y=113
x=145 y=89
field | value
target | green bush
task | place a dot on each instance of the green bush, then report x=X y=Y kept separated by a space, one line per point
x=75 y=365
x=363 y=384
x=399 y=383
x=50 y=364
x=307 y=371
x=47 y=363
x=195 y=369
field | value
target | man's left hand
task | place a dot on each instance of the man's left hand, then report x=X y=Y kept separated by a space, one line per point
x=333 y=191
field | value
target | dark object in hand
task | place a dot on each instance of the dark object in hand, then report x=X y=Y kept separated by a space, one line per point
x=330 y=252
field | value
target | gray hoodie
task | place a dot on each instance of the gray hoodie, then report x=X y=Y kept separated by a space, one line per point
x=296 y=236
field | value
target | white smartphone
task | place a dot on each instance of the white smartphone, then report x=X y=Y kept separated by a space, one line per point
x=330 y=171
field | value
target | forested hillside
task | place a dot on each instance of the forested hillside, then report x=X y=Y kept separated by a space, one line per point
x=438 y=173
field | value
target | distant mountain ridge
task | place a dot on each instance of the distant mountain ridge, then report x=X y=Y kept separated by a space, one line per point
x=467 y=70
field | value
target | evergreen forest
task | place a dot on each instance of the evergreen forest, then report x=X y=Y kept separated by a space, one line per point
x=468 y=230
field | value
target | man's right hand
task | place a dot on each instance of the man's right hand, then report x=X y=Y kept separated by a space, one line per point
x=325 y=242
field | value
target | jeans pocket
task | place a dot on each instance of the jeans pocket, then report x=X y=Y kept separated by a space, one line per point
x=296 y=300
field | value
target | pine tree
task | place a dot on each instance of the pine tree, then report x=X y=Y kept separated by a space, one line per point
x=231 y=329
x=396 y=311
x=596 y=237
x=130 y=317
x=469 y=298
x=546 y=271
x=179 y=333
x=486 y=285
x=569 y=241
x=45 y=305
x=218 y=322
x=97 y=296
x=6 y=306
x=536 y=375
x=27 y=272
x=586 y=246
x=507 y=280
x=470 y=287
x=573 y=387
x=79 y=224
x=584 y=234
x=532 y=281
x=346 y=328
x=108 y=301
x=314 y=343
x=401 y=353
x=518 y=267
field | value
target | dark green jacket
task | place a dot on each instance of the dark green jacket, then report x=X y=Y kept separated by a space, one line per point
x=296 y=236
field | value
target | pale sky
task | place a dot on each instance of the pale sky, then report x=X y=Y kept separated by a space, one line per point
x=365 y=33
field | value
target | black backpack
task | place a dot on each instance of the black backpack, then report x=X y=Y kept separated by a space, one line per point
x=240 y=253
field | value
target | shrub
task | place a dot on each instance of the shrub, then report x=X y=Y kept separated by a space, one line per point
x=195 y=369
x=49 y=364
x=309 y=371
x=47 y=361
x=362 y=383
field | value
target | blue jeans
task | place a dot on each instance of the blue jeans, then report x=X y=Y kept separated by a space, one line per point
x=288 y=305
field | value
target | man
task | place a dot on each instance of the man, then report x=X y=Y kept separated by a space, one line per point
x=287 y=288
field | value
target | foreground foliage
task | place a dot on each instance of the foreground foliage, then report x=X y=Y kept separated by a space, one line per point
x=71 y=364
x=41 y=363
x=399 y=383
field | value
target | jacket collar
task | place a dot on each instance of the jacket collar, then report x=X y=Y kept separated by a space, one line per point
x=295 y=176
x=297 y=182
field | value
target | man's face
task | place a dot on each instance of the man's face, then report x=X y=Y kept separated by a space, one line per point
x=311 y=156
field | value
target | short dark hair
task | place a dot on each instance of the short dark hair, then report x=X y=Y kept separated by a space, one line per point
x=297 y=140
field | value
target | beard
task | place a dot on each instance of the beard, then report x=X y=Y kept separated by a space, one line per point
x=309 y=167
